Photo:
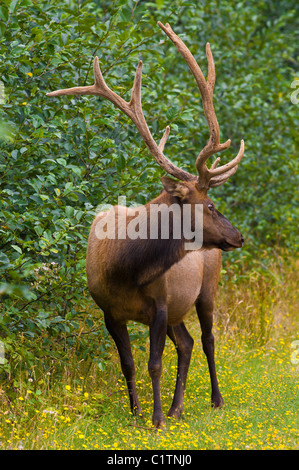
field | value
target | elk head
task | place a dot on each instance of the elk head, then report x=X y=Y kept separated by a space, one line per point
x=218 y=232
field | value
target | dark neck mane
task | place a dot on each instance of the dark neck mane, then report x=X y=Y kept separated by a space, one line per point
x=141 y=261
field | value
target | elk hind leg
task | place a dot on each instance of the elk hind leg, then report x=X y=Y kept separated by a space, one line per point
x=184 y=345
x=158 y=329
x=204 y=308
x=120 y=335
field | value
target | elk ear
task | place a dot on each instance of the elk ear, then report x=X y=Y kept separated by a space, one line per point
x=175 y=188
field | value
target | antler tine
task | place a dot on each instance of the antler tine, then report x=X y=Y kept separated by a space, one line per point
x=164 y=138
x=217 y=181
x=214 y=176
x=133 y=109
x=136 y=90
x=211 y=67
x=228 y=166
x=99 y=81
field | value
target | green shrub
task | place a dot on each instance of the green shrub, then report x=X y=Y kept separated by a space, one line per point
x=60 y=158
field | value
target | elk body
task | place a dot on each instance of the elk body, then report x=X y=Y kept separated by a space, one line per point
x=156 y=280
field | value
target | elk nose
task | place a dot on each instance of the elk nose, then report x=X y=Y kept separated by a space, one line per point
x=242 y=240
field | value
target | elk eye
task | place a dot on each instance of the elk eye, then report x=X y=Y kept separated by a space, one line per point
x=211 y=207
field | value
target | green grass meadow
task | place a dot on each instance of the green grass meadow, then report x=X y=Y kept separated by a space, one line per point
x=256 y=329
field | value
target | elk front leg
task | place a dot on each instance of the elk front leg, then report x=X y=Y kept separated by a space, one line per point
x=184 y=344
x=204 y=310
x=120 y=335
x=158 y=328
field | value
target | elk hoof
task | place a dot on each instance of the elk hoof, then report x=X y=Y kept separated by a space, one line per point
x=159 y=420
x=175 y=412
x=217 y=401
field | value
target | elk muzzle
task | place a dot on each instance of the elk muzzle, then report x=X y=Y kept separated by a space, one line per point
x=231 y=237
x=218 y=232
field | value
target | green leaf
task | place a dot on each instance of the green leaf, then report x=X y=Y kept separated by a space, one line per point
x=172 y=112
x=4 y=260
x=160 y=4
x=69 y=211
x=3 y=13
x=17 y=248
x=61 y=161
x=38 y=230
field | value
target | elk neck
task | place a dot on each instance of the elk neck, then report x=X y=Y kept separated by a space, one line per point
x=142 y=260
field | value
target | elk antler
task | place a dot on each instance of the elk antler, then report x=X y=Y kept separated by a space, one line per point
x=207 y=178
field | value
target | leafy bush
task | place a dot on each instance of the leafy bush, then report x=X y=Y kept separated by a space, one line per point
x=60 y=158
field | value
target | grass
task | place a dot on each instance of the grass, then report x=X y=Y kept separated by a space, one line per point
x=256 y=324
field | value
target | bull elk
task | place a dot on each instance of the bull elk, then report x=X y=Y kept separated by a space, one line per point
x=154 y=280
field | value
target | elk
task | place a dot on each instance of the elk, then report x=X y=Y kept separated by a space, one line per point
x=157 y=281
